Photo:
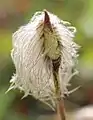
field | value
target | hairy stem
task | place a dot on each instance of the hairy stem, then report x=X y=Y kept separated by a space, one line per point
x=60 y=102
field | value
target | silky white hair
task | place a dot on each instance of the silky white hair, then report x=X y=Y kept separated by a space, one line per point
x=35 y=46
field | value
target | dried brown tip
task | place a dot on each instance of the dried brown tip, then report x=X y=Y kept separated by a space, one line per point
x=47 y=20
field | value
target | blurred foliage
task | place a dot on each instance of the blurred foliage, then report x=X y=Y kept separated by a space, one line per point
x=5 y=102
x=13 y=14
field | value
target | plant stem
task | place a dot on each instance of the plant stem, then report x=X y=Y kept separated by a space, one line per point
x=60 y=110
x=60 y=102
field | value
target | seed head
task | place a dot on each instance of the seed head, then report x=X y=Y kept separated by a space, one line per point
x=44 y=55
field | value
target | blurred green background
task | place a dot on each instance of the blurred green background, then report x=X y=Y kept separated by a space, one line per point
x=13 y=14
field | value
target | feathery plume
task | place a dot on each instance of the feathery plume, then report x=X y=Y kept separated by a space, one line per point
x=44 y=55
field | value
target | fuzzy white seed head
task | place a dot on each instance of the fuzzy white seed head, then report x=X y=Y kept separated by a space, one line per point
x=43 y=49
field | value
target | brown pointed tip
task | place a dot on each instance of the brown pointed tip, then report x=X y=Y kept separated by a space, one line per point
x=46 y=18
